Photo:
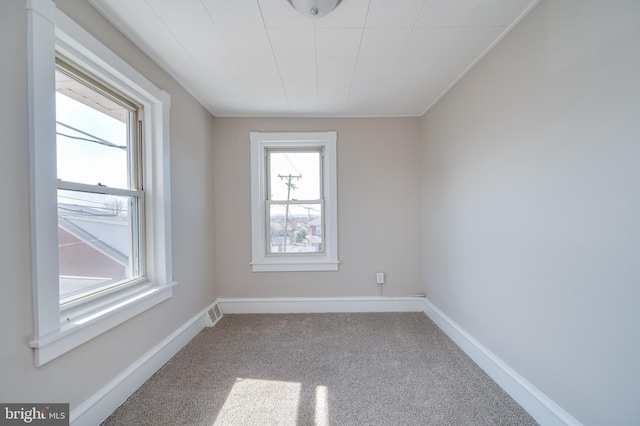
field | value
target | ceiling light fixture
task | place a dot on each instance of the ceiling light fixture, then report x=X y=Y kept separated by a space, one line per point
x=314 y=8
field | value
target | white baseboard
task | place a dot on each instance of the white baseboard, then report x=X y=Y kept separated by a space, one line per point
x=537 y=404
x=98 y=407
x=301 y=305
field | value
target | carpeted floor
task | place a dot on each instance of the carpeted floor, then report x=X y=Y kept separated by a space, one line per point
x=321 y=369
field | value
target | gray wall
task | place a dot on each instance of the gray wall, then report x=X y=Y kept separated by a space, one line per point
x=532 y=205
x=78 y=374
x=378 y=209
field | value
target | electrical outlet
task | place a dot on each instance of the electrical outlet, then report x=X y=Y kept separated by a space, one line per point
x=380 y=277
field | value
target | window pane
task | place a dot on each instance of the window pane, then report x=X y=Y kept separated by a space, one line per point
x=91 y=134
x=294 y=175
x=95 y=241
x=295 y=228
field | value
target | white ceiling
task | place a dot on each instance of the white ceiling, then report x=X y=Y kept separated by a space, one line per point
x=366 y=58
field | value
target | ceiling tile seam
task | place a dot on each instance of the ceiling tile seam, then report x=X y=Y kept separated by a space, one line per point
x=478 y=58
x=474 y=11
x=315 y=57
x=404 y=43
x=203 y=71
x=273 y=56
x=129 y=36
x=186 y=51
x=456 y=27
x=355 y=67
x=206 y=77
x=233 y=57
x=419 y=13
x=150 y=53
x=395 y=57
x=154 y=12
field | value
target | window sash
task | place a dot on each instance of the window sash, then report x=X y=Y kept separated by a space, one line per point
x=135 y=193
x=270 y=150
x=268 y=250
x=269 y=201
x=135 y=263
x=135 y=125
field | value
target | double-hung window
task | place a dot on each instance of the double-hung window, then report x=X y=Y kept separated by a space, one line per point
x=294 y=201
x=99 y=186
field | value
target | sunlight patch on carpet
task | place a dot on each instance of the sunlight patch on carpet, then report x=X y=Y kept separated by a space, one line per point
x=321 y=417
x=253 y=401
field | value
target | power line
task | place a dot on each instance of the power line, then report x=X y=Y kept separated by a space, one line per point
x=93 y=138
x=292 y=165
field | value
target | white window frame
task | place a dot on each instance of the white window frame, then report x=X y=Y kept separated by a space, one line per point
x=56 y=332
x=263 y=262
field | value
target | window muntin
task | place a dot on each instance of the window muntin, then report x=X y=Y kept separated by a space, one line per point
x=294 y=201
x=100 y=197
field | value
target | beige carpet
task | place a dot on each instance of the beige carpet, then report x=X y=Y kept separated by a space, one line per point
x=321 y=369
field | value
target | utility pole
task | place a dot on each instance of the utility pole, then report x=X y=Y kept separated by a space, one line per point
x=290 y=186
x=308 y=209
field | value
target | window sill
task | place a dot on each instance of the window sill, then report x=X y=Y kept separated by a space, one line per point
x=76 y=330
x=286 y=265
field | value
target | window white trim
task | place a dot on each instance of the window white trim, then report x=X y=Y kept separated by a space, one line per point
x=49 y=30
x=261 y=262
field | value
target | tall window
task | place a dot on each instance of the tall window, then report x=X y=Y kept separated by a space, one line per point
x=99 y=186
x=100 y=192
x=294 y=201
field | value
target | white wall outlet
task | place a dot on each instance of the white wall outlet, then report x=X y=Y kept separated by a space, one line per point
x=380 y=277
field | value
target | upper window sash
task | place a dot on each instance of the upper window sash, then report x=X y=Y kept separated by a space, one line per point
x=284 y=151
x=111 y=104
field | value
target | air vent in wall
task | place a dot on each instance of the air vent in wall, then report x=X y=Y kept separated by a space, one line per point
x=213 y=315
